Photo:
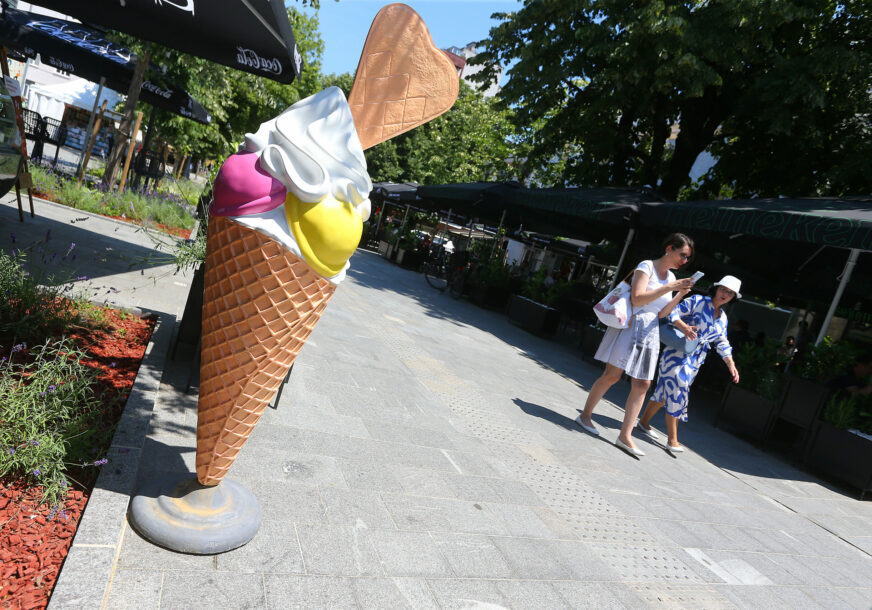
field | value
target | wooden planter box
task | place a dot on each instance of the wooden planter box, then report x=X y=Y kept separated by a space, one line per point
x=590 y=340
x=532 y=316
x=746 y=412
x=843 y=455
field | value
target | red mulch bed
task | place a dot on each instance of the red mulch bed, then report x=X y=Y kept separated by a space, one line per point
x=34 y=538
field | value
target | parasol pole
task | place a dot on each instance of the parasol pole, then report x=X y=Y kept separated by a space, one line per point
x=614 y=281
x=845 y=278
x=90 y=143
x=91 y=121
x=130 y=151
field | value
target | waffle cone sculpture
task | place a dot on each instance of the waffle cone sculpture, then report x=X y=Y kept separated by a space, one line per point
x=287 y=214
x=261 y=303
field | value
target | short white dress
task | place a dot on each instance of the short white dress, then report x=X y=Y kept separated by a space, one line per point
x=635 y=349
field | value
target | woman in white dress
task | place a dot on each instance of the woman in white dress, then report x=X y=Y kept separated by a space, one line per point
x=634 y=350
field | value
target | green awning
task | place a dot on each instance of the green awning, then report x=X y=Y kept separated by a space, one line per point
x=844 y=223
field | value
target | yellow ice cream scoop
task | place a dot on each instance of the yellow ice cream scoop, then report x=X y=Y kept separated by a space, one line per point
x=327 y=231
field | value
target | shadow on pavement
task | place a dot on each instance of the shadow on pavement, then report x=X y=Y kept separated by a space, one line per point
x=83 y=247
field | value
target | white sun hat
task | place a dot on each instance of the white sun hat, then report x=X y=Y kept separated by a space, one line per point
x=731 y=282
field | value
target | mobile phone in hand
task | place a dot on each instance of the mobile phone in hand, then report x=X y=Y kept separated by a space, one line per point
x=696 y=276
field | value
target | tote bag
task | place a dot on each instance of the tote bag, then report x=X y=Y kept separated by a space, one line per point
x=615 y=309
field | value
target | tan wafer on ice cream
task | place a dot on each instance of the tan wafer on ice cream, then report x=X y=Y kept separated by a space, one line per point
x=403 y=80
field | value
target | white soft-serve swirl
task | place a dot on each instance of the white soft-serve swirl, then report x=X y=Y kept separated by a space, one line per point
x=312 y=148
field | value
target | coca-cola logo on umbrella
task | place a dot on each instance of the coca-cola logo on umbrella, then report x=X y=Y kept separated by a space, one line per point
x=150 y=86
x=248 y=57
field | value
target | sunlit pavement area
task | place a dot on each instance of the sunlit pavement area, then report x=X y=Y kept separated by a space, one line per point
x=424 y=455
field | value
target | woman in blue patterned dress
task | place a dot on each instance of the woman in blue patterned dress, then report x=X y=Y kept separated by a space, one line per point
x=700 y=317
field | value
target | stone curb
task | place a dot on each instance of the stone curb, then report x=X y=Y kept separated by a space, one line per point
x=87 y=571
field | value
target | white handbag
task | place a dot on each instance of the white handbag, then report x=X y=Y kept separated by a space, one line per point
x=615 y=309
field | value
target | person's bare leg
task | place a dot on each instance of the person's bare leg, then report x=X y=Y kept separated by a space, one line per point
x=672 y=430
x=650 y=411
x=638 y=389
x=610 y=377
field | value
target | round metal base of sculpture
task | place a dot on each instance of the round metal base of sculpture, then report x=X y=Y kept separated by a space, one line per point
x=178 y=513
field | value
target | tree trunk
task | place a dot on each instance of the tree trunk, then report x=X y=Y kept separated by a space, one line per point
x=661 y=129
x=698 y=124
x=119 y=147
x=624 y=148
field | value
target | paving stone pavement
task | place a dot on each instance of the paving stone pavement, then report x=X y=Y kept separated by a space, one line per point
x=424 y=455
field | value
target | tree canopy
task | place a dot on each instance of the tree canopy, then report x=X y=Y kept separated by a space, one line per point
x=777 y=91
x=469 y=143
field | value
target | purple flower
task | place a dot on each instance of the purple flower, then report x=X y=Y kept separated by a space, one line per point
x=36 y=473
x=82 y=277
x=10 y=451
x=18 y=348
x=34 y=443
x=101 y=462
x=112 y=365
x=52 y=388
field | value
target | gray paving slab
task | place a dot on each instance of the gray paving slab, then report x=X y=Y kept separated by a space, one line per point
x=424 y=455
x=409 y=554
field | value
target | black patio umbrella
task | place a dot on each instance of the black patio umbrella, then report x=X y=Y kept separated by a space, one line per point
x=250 y=35
x=85 y=52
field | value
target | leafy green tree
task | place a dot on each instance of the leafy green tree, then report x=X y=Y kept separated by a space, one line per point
x=470 y=142
x=777 y=90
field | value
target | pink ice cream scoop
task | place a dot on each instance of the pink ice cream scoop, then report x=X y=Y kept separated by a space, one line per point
x=243 y=188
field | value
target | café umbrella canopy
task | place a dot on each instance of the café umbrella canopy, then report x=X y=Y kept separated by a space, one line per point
x=250 y=35
x=85 y=52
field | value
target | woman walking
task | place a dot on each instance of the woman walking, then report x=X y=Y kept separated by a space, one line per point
x=633 y=350
x=700 y=317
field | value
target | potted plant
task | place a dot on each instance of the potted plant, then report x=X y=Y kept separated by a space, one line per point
x=406 y=243
x=806 y=392
x=490 y=285
x=534 y=309
x=842 y=444
x=749 y=407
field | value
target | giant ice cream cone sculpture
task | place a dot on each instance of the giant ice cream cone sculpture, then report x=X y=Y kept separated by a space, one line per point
x=288 y=214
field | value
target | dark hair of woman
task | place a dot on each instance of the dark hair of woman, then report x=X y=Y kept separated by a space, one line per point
x=678 y=241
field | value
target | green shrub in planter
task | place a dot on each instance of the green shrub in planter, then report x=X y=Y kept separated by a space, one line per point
x=825 y=360
x=536 y=289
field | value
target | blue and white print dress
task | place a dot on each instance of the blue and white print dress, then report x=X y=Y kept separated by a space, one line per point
x=678 y=369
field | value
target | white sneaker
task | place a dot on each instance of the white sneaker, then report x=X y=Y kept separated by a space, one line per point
x=589 y=429
x=649 y=432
